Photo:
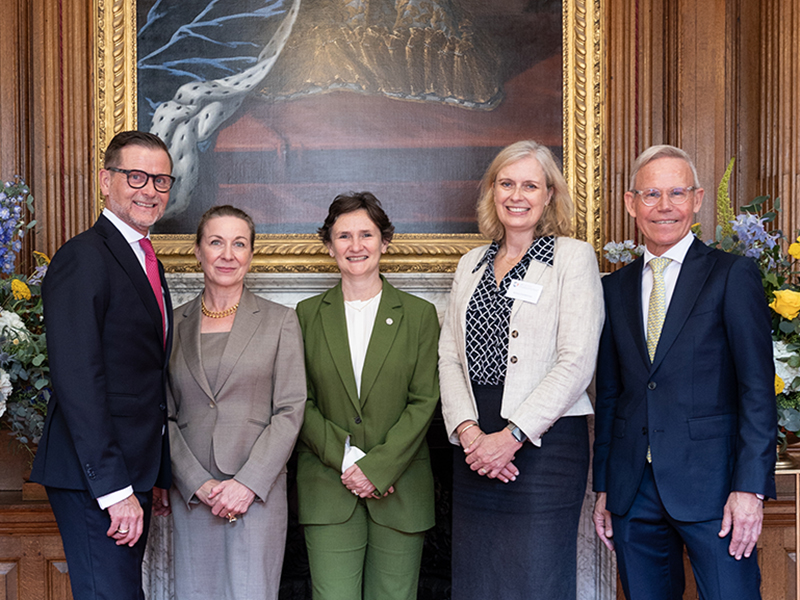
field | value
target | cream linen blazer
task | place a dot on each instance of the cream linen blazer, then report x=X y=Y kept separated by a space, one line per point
x=552 y=347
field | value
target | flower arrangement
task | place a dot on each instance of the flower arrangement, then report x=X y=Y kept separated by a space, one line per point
x=24 y=371
x=747 y=234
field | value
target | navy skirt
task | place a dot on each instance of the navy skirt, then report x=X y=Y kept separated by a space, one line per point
x=519 y=539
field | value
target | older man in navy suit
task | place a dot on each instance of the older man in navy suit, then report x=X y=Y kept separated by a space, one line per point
x=104 y=453
x=686 y=418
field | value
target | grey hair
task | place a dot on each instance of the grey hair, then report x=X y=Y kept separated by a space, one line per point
x=661 y=151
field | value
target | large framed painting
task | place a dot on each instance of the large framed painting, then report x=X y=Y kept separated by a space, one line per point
x=277 y=106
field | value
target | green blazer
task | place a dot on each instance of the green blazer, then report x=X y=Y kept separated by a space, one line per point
x=399 y=391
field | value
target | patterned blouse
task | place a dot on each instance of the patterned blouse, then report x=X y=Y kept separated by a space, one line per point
x=489 y=313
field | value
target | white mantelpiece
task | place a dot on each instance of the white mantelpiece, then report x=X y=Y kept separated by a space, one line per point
x=596 y=566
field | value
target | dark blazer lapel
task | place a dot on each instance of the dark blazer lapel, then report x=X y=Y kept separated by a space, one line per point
x=387 y=324
x=122 y=252
x=189 y=344
x=694 y=272
x=245 y=324
x=630 y=290
x=334 y=327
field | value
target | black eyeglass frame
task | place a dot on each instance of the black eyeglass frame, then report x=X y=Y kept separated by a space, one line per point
x=688 y=188
x=128 y=172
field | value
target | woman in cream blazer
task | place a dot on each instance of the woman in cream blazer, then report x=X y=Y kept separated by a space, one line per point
x=236 y=398
x=517 y=352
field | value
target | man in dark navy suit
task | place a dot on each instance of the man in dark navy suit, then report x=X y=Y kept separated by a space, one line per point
x=104 y=453
x=686 y=417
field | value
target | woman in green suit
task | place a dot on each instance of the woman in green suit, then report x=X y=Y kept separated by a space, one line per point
x=364 y=478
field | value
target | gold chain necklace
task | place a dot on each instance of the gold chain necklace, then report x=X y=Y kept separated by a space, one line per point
x=217 y=315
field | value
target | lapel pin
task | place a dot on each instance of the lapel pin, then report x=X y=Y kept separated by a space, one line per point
x=389 y=321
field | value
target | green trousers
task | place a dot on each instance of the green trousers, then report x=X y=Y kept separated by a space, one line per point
x=359 y=558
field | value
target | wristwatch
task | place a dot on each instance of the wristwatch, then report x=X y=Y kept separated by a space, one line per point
x=516 y=432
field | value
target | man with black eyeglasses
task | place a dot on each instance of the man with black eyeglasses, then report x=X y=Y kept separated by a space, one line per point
x=104 y=454
x=685 y=420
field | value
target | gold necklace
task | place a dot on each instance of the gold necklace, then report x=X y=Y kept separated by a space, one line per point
x=217 y=315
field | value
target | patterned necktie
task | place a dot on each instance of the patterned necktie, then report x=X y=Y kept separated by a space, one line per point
x=657 y=309
x=151 y=266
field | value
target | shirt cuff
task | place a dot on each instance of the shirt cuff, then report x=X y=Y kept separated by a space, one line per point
x=351 y=455
x=114 y=497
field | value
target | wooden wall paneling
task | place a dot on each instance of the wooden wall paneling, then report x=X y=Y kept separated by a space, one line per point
x=45 y=120
x=620 y=109
x=8 y=580
x=745 y=119
x=13 y=35
x=79 y=178
x=30 y=542
x=777 y=136
x=60 y=117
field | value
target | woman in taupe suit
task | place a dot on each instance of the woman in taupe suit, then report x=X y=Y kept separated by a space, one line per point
x=236 y=398
x=517 y=352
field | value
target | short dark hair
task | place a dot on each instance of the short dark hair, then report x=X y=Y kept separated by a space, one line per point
x=133 y=138
x=347 y=203
x=224 y=210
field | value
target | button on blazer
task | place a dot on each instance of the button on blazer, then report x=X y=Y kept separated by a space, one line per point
x=388 y=421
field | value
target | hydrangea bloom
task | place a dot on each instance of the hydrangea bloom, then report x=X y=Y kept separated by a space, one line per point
x=751 y=233
x=623 y=252
x=12 y=200
x=782 y=369
x=5 y=390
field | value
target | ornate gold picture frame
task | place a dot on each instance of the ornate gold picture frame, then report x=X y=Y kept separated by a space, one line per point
x=115 y=71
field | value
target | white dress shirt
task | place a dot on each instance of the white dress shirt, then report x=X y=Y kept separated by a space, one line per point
x=132 y=237
x=678 y=254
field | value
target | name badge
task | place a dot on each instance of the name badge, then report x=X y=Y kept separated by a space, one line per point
x=525 y=291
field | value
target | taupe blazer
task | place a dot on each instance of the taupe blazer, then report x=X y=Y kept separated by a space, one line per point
x=253 y=415
x=552 y=345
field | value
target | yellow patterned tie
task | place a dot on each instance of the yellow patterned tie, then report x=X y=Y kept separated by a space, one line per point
x=658 y=304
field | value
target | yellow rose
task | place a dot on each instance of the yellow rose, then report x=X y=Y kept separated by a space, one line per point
x=41 y=258
x=786 y=303
x=794 y=249
x=778 y=385
x=19 y=290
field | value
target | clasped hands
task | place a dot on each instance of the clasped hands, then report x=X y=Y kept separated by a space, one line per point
x=489 y=454
x=227 y=499
x=354 y=480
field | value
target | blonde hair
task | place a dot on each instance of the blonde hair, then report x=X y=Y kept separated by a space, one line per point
x=557 y=216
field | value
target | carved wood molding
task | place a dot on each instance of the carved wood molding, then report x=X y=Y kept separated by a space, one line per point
x=115 y=69
x=414 y=253
x=583 y=118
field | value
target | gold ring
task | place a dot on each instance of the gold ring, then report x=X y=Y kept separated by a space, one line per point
x=122 y=531
x=482 y=471
x=231 y=518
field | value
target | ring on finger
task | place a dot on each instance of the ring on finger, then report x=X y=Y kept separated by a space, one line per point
x=122 y=531
x=482 y=471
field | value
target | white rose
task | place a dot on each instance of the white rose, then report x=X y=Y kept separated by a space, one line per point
x=11 y=326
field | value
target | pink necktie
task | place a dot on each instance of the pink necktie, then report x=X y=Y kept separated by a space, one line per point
x=151 y=266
